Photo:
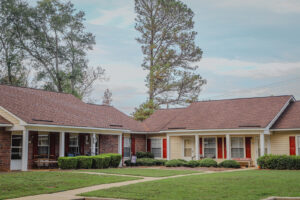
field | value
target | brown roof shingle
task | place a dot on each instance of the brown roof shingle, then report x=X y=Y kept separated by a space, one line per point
x=290 y=118
x=240 y=113
x=52 y=108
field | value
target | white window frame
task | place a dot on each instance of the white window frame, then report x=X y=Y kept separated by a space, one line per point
x=161 y=145
x=71 y=145
x=43 y=145
x=127 y=147
x=216 y=146
x=297 y=145
x=16 y=147
x=244 y=143
x=183 y=147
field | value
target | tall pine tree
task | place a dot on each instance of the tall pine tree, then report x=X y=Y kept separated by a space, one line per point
x=168 y=43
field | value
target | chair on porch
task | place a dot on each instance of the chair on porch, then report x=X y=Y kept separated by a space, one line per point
x=247 y=162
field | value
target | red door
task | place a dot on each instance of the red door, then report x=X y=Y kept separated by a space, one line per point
x=164 y=148
x=220 y=148
x=225 y=150
x=248 y=147
x=132 y=145
x=201 y=147
x=292 y=145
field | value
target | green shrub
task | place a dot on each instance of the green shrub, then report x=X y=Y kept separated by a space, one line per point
x=175 y=163
x=145 y=162
x=159 y=162
x=192 y=163
x=144 y=154
x=229 y=164
x=128 y=163
x=279 y=162
x=115 y=159
x=100 y=162
x=208 y=162
x=84 y=162
x=67 y=162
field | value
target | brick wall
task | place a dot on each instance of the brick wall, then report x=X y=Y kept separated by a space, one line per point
x=5 y=143
x=108 y=143
x=140 y=142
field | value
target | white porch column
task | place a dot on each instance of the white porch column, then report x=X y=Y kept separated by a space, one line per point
x=25 y=151
x=168 y=147
x=120 y=147
x=93 y=144
x=197 y=146
x=262 y=144
x=228 y=147
x=61 y=144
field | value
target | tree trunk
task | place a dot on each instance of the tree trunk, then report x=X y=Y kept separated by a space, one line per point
x=59 y=86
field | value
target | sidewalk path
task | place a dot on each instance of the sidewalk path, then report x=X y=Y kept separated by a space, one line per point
x=71 y=194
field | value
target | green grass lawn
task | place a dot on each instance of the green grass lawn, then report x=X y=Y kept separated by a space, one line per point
x=145 y=172
x=17 y=184
x=248 y=185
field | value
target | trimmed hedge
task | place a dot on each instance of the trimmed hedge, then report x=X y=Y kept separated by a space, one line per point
x=192 y=163
x=101 y=161
x=67 y=162
x=229 y=164
x=175 y=163
x=88 y=162
x=208 y=162
x=84 y=162
x=146 y=162
x=279 y=162
x=115 y=159
x=144 y=154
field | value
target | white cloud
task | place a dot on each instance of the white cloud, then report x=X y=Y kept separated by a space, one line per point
x=277 y=6
x=246 y=69
x=120 y=17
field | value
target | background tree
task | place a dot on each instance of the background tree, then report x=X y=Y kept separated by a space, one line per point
x=12 y=56
x=53 y=34
x=168 y=43
x=145 y=110
x=107 y=97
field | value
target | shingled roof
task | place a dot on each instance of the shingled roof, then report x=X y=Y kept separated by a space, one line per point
x=290 y=119
x=52 y=108
x=243 y=113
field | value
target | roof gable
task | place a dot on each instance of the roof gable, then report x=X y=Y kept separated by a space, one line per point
x=290 y=119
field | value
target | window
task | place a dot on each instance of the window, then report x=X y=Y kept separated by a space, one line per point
x=210 y=148
x=43 y=146
x=73 y=145
x=127 y=145
x=237 y=147
x=16 y=147
x=156 y=147
x=187 y=148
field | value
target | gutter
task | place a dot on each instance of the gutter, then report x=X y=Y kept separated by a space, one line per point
x=210 y=130
x=77 y=127
x=5 y=125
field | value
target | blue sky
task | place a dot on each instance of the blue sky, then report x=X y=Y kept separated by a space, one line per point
x=251 y=48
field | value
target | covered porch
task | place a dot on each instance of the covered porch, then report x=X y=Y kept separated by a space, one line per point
x=41 y=148
x=242 y=147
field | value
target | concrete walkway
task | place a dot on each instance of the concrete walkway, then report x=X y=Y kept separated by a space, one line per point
x=72 y=194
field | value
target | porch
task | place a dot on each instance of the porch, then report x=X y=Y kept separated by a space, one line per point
x=244 y=148
x=41 y=149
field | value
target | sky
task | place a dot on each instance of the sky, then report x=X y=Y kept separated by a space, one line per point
x=250 y=48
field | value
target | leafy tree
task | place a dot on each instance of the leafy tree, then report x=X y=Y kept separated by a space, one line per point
x=168 y=43
x=53 y=34
x=145 y=110
x=12 y=69
x=107 y=97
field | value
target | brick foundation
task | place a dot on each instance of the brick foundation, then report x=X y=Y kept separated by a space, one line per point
x=5 y=149
x=108 y=144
